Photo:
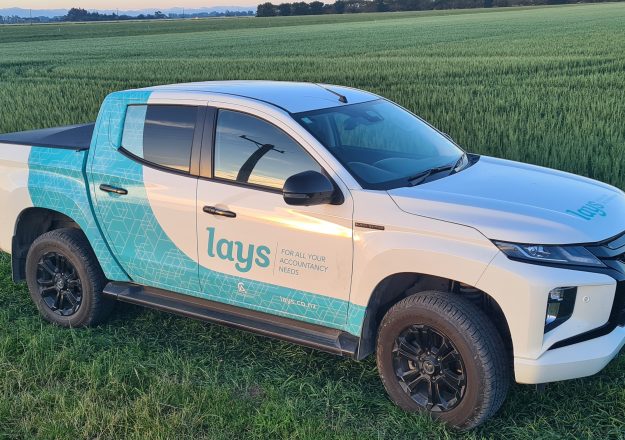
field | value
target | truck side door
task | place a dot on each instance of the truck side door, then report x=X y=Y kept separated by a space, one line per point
x=256 y=251
x=145 y=195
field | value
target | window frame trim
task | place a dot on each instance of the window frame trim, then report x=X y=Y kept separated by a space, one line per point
x=196 y=144
x=152 y=165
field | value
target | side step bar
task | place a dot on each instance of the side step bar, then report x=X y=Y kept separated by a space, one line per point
x=310 y=335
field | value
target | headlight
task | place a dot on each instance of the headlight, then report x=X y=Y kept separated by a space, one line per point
x=574 y=255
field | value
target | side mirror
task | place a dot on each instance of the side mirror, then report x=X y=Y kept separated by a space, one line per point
x=308 y=188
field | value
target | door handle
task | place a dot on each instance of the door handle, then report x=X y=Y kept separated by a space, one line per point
x=113 y=189
x=222 y=212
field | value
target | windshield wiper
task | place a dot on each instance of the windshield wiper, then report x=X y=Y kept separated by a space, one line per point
x=423 y=175
x=420 y=177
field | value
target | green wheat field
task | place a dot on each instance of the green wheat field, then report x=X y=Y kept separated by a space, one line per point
x=542 y=85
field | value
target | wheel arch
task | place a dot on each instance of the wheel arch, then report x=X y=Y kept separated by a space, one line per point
x=31 y=223
x=398 y=286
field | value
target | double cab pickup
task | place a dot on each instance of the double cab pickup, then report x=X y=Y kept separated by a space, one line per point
x=325 y=216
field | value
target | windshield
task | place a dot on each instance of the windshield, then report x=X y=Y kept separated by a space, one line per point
x=382 y=145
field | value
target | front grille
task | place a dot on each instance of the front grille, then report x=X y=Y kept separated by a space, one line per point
x=612 y=253
x=610 y=249
x=617 y=315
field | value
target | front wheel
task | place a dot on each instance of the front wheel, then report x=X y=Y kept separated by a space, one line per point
x=438 y=353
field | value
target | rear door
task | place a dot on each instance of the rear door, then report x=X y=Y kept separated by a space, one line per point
x=146 y=194
x=260 y=252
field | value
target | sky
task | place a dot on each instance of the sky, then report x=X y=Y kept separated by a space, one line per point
x=121 y=4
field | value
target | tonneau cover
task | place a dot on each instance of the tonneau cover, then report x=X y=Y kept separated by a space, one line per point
x=71 y=137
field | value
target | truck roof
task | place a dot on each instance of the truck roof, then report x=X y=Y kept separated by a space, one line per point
x=294 y=97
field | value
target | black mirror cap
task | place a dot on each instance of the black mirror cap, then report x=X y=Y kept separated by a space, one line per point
x=310 y=188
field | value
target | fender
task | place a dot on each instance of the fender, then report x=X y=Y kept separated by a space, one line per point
x=410 y=244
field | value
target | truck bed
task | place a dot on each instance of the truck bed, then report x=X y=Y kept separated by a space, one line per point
x=71 y=137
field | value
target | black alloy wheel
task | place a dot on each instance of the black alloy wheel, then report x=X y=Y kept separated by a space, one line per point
x=59 y=284
x=429 y=368
x=65 y=279
x=439 y=354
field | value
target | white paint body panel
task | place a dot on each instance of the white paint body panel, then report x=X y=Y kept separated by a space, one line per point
x=14 y=195
x=578 y=360
x=296 y=236
x=411 y=244
x=521 y=291
x=520 y=203
x=172 y=199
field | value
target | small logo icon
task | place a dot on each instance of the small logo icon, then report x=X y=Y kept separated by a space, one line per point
x=241 y=289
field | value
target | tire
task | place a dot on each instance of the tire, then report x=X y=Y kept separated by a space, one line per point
x=469 y=374
x=65 y=279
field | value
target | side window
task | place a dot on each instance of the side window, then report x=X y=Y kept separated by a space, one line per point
x=250 y=150
x=161 y=134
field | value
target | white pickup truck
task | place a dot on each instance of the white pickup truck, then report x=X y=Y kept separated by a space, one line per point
x=326 y=216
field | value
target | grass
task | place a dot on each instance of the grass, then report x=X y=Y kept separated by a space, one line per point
x=541 y=85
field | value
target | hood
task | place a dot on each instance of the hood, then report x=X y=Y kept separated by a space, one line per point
x=521 y=203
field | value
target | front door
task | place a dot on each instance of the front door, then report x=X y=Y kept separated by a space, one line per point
x=146 y=195
x=258 y=252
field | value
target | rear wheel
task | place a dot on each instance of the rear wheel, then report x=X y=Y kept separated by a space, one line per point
x=65 y=279
x=438 y=353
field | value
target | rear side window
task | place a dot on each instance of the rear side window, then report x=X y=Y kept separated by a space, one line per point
x=161 y=134
x=251 y=151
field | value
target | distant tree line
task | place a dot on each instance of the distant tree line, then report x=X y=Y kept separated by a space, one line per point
x=355 y=6
x=79 y=14
x=16 y=19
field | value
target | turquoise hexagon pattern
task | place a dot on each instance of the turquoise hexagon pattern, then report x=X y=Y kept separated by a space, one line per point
x=56 y=181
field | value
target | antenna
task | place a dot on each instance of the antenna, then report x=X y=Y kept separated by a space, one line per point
x=342 y=98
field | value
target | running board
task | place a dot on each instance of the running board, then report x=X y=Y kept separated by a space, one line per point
x=310 y=335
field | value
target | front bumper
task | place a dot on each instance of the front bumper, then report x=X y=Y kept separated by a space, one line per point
x=580 y=346
x=570 y=362
x=521 y=291
x=583 y=344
